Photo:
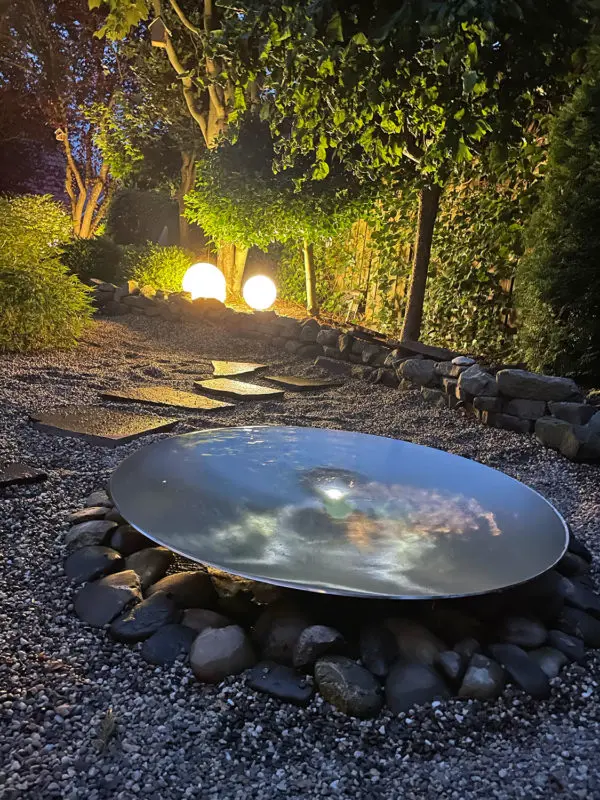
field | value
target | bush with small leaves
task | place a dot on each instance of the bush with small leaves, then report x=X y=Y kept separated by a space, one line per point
x=41 y=305
x=94 y=258
x=160 y=267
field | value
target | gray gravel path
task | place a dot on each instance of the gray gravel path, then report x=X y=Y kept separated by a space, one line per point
x=172 y=738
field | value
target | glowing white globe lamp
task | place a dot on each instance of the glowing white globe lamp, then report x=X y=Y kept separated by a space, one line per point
x=205 y=280
x=259 y=292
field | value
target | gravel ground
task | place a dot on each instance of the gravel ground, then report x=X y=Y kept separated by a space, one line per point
x=84 y=717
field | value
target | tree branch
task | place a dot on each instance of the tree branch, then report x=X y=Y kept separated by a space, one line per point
x=63 y=136
x=177 y=9
x=186 y=82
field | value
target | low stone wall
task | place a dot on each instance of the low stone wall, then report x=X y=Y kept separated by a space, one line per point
x=555 y=409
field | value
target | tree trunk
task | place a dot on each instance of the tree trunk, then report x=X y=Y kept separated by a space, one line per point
x=312 y=305
x=231 y=260
x=429 y=201
x=188 y=178
x=236 y=281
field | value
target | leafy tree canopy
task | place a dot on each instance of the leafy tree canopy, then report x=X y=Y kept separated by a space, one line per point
x=238 y=198
x=380 y=84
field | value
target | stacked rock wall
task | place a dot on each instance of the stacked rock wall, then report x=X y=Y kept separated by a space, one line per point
x=553 y=408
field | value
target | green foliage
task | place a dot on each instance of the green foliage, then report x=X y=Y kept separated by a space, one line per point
x=121 y=17
x=160 y=267
x=41 y=305
x=238 y=198
x=333 y=257
x=418 y=90
x=558 y=280
x=136 y=217
x=93 y=258
x=112 y=126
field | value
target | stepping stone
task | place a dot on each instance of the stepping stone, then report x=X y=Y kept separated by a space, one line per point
x=296 y=383
x=165 y=396
x=98 y=426
x=237 y=389
x=225 y=369
x=18 y=473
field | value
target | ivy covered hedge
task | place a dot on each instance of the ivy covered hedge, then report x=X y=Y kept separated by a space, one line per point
x=478 y=241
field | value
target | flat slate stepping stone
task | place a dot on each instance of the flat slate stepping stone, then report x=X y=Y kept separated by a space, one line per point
x=297 y=383
x=165 y=396
x=98 y=426
x=522 y=669
x=167 y=644
x=144 y=619
x=17 y=473
x=225 y=369
x=92 y=562
x=237 y=389
x=100 y=602
x=281 y=682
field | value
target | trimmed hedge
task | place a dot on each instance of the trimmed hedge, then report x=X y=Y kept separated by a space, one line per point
x=558 y=280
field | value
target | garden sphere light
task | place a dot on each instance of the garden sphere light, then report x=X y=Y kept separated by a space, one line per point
x=260 y=292
x=204 y=280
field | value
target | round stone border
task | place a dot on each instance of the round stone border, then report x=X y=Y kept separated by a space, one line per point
x=358 y=654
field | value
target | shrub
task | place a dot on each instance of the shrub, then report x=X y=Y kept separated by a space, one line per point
x=41 y=305
x=558 y=280
x=94 y=258
x=136 y=217
x=160 y=267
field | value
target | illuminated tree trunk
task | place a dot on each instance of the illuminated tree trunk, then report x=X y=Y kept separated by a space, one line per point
x=188 y=177
x=312 y=305
x=429 y=201
x=90 y=196
x=231 y=260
